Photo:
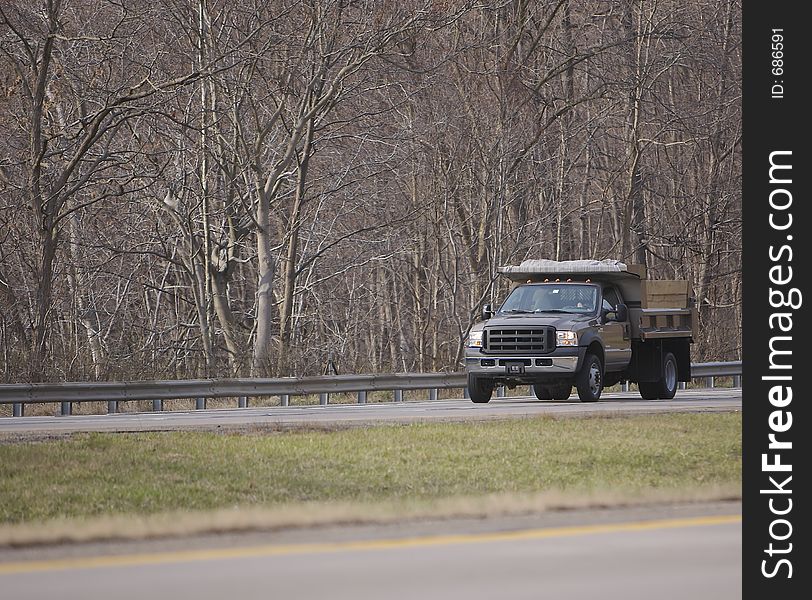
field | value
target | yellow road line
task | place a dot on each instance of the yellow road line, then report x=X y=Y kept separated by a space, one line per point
x=162 y=558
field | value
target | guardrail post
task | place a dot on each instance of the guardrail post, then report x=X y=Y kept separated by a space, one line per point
x=465 y=394
x=200 y=404
x=112 y=407
x=624 y=386
x=284 y=400
x=398 y=395
x=433 y=394
x=500 y=391
x=682 y=385
x=242 y=402
x=18 y=409
x=324 y=398
x=157 y=405
x=362 y=397
x=709 y=382
x=737 y=381
x=66 y=408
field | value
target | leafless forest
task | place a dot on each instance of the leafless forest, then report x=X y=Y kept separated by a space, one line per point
x=249 y=187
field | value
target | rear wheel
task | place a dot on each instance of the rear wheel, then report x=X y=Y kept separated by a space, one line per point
x=555 y=391
x=589 y=380
x=542 y=392
x=668 y=384
x=666 y=387
x=648 y=390
x=479 y=389
x=561 y=391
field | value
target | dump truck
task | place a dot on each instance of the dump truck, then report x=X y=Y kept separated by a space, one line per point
x=586 y=324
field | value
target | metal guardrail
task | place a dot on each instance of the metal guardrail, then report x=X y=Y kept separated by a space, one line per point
x=20 y=394
x=716 y=369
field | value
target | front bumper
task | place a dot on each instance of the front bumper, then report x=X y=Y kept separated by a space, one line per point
x=561 y=361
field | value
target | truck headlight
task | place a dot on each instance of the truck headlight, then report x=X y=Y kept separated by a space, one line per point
x=475 y=339
x=566 y=338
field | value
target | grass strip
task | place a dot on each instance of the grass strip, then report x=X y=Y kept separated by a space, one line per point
x=145 y=475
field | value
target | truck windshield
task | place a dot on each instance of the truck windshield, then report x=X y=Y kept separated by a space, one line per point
x=552 y=298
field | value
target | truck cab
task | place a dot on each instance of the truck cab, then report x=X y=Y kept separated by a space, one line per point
x=581 y=324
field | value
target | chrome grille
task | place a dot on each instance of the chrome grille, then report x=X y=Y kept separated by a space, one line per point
x=520 y=339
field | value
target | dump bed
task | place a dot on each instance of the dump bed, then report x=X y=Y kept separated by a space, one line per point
x=657 y=308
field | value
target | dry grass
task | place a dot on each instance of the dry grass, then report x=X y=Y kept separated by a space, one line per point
x=316 y=514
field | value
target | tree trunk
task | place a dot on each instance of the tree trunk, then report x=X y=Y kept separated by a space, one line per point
x=10 y=310
x=266 y=269
x=84 y=315
x=289 y=275
x=45 y=274
x=634 y=224
x=225 y=317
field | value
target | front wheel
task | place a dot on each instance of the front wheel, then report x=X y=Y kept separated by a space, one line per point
x=589 y=380
x=479 y=389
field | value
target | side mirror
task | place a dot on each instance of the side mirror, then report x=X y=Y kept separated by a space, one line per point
x=487 y=312
x=621 y=312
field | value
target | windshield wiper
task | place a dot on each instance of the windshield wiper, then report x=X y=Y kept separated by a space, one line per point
x=552 y=310
x=516 y=311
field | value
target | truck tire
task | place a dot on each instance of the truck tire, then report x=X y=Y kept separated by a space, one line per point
x=666 y=387
x=561 y=391
x=556 y=391
x=542 y=392
x=648 y=389
x=479 y=389
x=589 y=380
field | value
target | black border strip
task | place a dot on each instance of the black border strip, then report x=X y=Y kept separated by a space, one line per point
x=776 y=246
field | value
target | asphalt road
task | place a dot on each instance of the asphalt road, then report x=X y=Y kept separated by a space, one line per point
x=695 y=400
x=663 y=552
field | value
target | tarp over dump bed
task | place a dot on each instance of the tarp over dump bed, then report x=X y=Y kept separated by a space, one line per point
x=626 y=277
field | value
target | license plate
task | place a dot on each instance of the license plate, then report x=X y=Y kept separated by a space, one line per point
x=514 y=368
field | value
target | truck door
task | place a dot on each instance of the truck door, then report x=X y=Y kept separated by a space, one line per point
x=616 y=335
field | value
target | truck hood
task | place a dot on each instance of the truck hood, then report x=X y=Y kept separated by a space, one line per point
x=559 y=321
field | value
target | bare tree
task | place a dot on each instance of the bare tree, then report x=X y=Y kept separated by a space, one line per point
x=208 y=188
